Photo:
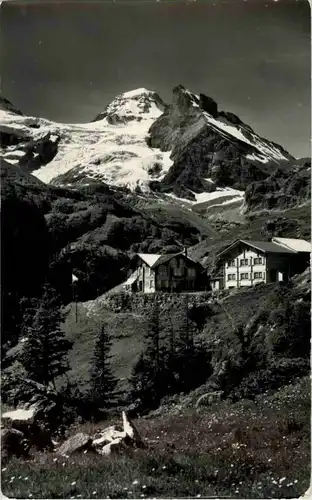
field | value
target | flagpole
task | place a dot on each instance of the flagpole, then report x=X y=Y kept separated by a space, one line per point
x=74 y=278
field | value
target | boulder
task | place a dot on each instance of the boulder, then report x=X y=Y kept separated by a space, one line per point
x=209 y=398
x=114 y=446
x=25 y=421
x=19 y=418
x=78 y=442
x=130 y=430
x=107 y=436
x=13 y=442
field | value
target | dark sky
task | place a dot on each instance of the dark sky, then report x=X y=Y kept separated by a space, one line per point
x=66 y=60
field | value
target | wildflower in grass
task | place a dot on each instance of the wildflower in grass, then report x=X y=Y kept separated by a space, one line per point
x=4 y=469
x=135 y=482
x=94 y=492
x=73 y=483
x=164 y=467
x=282 y=479
x=143 y=486
x=25 y=478
x=295 y=481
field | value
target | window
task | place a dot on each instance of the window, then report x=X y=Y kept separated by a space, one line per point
x=151 y=283
x=258 y=260
x=162 y=269
x=244 y=262
x=232 y=263
x=231 y=277
x=257 y=275
x=191 y=272
x=244 y=276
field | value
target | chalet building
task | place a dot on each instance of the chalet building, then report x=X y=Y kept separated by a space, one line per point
x=150 y=273
x=246 y=263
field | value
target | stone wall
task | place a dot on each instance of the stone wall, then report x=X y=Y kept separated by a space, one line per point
x=139 y=302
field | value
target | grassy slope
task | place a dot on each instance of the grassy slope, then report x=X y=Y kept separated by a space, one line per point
x=128 y=328
x=127 y=332
x=243 y=450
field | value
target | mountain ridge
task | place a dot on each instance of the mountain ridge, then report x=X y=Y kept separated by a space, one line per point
x=187 y=149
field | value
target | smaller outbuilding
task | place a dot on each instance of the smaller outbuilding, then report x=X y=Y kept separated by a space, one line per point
x=150 y=273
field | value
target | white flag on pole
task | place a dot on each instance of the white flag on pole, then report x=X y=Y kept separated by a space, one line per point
x=74 y=278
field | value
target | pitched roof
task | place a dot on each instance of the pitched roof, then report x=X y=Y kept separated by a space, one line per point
x=268 y=247
x=150 y=258
x=165 y=258
x=294 y=244
x=262 y=246
x=154 y=260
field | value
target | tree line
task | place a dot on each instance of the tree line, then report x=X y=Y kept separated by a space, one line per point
x=170 y=362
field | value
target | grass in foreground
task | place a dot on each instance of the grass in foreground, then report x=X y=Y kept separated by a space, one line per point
x=245 y=450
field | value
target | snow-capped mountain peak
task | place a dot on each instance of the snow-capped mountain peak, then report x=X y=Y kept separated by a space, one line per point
x=188 y=150
x=136 y=104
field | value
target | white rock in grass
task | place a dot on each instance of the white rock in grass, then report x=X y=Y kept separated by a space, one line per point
x=131 y=430
x=108 y=435
x=78 y=442
x=20 y=416
x=114 y=446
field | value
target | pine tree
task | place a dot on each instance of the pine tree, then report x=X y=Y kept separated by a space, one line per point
x=103 y=383
x=191 y=362
x=45 y=352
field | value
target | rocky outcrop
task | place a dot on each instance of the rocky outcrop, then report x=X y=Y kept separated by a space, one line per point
x=6 y=105
x=281 y=190
x=202 y=151
x=209 y=398
x=106 y=442
x=13 y=443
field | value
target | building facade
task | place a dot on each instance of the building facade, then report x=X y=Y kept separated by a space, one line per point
x=246 y=263
x=150 y=273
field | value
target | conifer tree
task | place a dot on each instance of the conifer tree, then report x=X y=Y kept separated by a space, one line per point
x=103 y=383
x=45 y=352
